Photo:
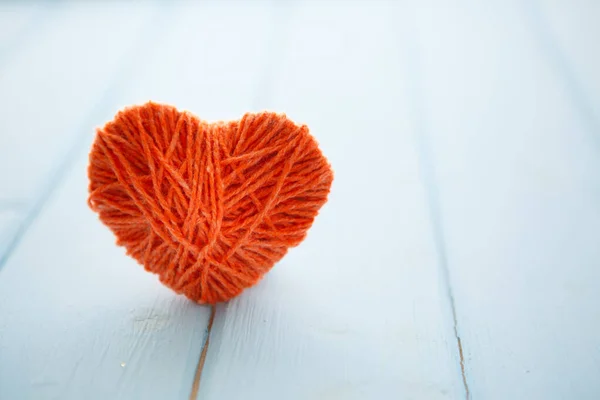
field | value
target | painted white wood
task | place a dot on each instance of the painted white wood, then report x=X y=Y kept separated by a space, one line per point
x=78 y=318
x=573 y=28
x=9 y=222
x=518 y=175
x=358 y=310
x=49 y=88
x=15 y=20
x=210 y=61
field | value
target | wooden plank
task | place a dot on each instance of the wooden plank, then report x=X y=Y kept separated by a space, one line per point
x=79 y=319
x=210 y=61
x=569 y=32
x=519 y=193
x=48 y=88
x=17 y=21
x=359 y=310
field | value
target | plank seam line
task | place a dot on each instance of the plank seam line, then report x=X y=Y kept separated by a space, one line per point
x=56 y=177
x=276 y=44
x=202 y=359
x=440 y=245
x=558 y=60
x=430 y=185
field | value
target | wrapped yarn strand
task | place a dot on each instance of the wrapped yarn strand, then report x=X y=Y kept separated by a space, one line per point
x=208 y=207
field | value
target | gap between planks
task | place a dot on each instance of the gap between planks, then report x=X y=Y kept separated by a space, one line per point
x=417 y=111
x=275 y=46
x=202 y=359
x=556 y=57
x=146 y=36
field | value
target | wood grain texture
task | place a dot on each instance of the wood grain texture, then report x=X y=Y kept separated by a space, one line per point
x=518 y=179
x=464 y=138
x=359 y=310
x=41 y=91
x=79 y=319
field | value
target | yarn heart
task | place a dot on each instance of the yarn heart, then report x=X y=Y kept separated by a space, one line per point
x=209 y=207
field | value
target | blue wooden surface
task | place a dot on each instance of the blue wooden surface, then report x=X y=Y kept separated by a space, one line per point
x=517 y=173
x=457 y=257
x=359 y=310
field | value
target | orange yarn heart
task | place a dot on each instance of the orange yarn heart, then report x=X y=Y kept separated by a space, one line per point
x=209 y=207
